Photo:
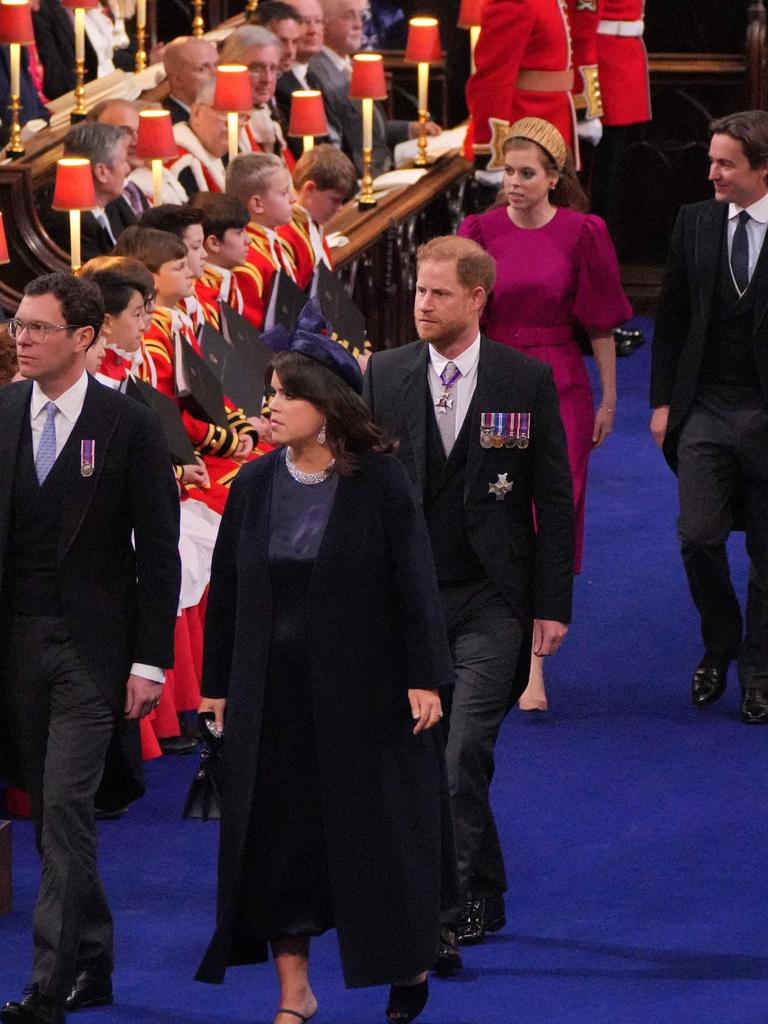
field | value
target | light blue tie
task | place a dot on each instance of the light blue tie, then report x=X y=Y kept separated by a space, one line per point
x=46 y=450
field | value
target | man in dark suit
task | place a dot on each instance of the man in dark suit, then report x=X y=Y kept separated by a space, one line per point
x=89 y=583
x=124 y=114
x=106 y=146
x=481 y=437
x=709 y=393
x=188 y=62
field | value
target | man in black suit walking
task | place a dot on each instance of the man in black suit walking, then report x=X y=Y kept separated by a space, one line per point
x=481 y=436
x=709 y=393
x=89 y=583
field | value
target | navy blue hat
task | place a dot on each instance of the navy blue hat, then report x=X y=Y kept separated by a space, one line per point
x=312 y=338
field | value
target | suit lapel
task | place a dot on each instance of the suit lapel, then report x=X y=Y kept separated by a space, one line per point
x=485 y=399
x=10 y=432
x=707 y=247
x=97 y=423
x=414 y=405
x=761 y=287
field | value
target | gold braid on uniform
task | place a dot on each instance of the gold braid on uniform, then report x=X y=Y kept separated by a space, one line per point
x=239 y=422
x=218 y=441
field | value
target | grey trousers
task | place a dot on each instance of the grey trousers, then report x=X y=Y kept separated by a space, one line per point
x=62 y=726
x=485 y=639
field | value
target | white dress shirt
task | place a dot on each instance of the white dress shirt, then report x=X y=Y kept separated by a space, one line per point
x=70 y=405
x=101 y=216
x=300 y=72
x=464 y=388
x=756 y=228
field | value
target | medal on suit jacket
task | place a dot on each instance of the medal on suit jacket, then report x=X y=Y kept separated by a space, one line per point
x=87 y=458
x=505 y=429
x=501 y=487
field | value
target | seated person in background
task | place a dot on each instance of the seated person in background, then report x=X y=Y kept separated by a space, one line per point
x=323 y=180
x=385 y=27
x=107 y=148
x=188 y=62
x=222 y=449
x=332 y=66
x=261 y=182
x=128 y=290
x=124 y=114
x=202 y=142
x=226 y=243
x=186 y=224
x=284 y=22
x=259 y=51
x=32 y=107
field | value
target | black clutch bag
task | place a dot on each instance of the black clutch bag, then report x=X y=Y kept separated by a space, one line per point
x=204 y=799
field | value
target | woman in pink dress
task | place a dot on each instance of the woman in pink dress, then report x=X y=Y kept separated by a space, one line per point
x=556 y=270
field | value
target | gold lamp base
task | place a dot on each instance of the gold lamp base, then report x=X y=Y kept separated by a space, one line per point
x=15 y=149
x=366 y=199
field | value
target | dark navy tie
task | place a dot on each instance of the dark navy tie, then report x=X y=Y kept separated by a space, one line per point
x=740 y=253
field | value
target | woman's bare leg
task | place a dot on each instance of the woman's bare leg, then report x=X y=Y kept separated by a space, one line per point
x=292 y=966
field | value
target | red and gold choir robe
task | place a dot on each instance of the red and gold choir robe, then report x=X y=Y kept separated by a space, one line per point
x=623 y=62
x=215 y=286
x=117 y=364
x=584 y=16
x=523 y=69
x=208 y=171
x=216 y=445
x=194 y=309
x=267 y=254
x=308 y=245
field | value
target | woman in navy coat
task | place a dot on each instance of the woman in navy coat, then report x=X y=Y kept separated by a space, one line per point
x=326 y=646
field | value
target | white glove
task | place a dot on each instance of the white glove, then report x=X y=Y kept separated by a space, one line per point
x=590 y=131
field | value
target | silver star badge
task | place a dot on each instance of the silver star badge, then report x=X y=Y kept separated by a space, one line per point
x=501 y=488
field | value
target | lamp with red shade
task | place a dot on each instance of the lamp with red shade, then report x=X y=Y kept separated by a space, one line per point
x=80 y=7
x=155 y=142
x=233 y=96
x=368 y=83
x=307 y=116
x=16 y=31
x=74 y=192
x=470 y=14
x=423 y=48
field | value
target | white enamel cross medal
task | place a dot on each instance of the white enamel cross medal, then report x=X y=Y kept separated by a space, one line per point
x=445 y=402
x=501 y=488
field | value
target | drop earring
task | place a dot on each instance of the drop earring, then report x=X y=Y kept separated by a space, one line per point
x=322 y=435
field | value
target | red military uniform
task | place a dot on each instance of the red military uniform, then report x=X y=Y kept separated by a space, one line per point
x=169 y=329
x=523 y=69
x=267 y=254
x=623 y=62
x=584 y=16
x=308 y=245
x=215 y=286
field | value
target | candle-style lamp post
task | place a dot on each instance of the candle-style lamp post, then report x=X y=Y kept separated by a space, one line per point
x=470 y=14
x=156 y=143
x=368 y=83
x=80 y=7
x=233 y=96
x=198 y=25
x=423 y=48
x=15 y=31
x=74 y=192
x=307 y=116
x=141 y=35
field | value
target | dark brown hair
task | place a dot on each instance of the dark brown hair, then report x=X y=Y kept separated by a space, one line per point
x=328 y=167
x=750 y=128
x=118 y=277
x=568 y=191
x=349 y=428
x=153 y=248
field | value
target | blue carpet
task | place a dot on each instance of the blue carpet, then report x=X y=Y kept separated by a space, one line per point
x=634 y=825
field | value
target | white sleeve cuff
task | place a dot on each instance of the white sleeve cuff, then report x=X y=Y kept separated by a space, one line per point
x=150 y=672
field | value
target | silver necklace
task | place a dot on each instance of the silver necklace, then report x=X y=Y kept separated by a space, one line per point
x=307 y=478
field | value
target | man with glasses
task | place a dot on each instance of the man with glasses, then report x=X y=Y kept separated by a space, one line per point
x=188 y=62
x=89 y=565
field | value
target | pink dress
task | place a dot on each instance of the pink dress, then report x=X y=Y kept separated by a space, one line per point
x=548 y=280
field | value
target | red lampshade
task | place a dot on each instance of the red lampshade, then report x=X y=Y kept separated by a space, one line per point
x=4 y=257
x=368 y=81
x=423 y=40
x=85 y=4
x=74 y=185
x=16 y=22
x=156 y=141
x=307 y=113
x=470 y=13
x=233 y=88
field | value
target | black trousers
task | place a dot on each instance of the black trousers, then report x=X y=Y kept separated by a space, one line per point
x=61 y=725
x=723 y=451
x=485 y=639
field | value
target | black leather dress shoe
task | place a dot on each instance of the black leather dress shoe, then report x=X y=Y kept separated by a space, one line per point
x=708 y=683
x=481 y=914
x=448 y=960
x=754 y=706
x=91 y=988
x=34 y=1008
x=179 y=745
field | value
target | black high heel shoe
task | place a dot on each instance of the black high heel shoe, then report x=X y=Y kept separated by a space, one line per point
x=406 y=1002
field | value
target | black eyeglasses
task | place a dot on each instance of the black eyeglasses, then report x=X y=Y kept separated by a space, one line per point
x=37 y=330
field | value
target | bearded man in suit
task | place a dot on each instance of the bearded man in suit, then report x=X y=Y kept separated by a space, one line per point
x=481 y=437
x=89 y=585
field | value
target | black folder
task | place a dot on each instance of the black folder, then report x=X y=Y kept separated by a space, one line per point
x=238 y=366
x=346 y=319
x=203 y=394
x=286 y=301
x=176 y=436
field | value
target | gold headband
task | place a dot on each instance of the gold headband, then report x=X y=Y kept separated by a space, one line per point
x=544 y=134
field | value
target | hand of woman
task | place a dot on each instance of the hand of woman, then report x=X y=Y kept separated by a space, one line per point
x=603 y=424
x=425 y=708
x=217 y=706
